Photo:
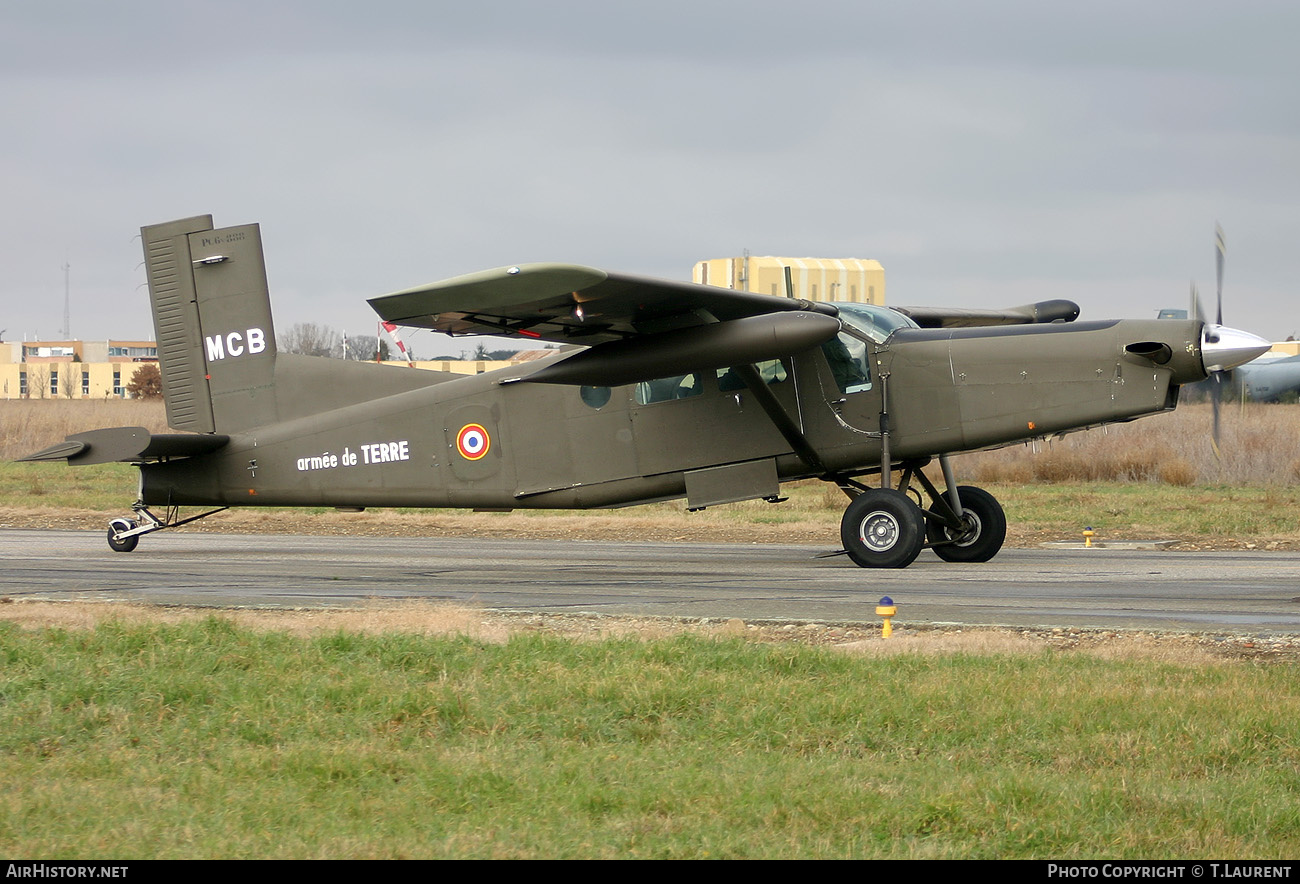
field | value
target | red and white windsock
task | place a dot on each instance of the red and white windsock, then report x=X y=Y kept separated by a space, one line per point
x=391 y=328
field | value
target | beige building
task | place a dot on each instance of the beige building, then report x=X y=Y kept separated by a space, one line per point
x=103 y=369
x=813 y=279
x=70 y=369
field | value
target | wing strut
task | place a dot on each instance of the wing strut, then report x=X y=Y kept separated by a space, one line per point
x=780 y=417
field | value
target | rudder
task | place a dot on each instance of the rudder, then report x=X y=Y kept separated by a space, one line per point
x=212 y=317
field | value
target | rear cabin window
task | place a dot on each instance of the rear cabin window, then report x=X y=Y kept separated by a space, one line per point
x=772 y=372
x=664 y=389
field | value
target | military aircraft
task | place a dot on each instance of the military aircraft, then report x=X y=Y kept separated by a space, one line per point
x=1267 y=380
x=676 y=390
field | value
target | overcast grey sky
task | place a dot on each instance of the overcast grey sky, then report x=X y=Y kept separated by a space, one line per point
x=987 y=153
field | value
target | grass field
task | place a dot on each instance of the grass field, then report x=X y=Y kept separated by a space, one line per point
x=208 y=739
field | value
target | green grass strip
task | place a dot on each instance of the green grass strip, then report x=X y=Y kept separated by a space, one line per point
x=209 y=740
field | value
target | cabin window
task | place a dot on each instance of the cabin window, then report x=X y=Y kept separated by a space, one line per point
x=772 y=372
x=849 y=362
x=682 y=386
x=595 y=397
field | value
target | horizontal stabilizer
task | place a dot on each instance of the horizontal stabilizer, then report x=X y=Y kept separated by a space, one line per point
x=702 y=348
x=1056 y=310
x=127 y=445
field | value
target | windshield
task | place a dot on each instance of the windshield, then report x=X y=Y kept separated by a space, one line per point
x=877 y=323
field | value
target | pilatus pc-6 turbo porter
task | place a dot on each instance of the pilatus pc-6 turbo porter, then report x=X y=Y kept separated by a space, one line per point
x=678 y=390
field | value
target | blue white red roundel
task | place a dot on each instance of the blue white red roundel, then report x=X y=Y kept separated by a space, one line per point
x=473 y=441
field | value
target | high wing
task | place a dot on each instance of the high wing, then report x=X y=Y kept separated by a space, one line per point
x=639 y=328
x=573 y=304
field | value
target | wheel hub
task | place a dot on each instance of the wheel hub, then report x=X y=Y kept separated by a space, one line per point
x=879 y=531
x=970 y=529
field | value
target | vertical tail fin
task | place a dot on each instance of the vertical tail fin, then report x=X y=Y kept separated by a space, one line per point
x=212 y=316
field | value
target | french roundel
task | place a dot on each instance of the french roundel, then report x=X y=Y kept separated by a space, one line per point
x=473 y=441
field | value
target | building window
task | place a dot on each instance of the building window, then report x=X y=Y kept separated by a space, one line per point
x=54 y=382
x=135 y=353
x=85 y=381
x=117 y=382
x=22 y=382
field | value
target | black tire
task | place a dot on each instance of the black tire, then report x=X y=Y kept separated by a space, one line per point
x=882 y=529
x=125 y=544
x=985 y=531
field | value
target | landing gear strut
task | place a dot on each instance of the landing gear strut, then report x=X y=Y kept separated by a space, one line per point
x=124 y=534
x=884 y=528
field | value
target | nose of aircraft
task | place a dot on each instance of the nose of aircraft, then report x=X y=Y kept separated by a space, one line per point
x=1223 y=348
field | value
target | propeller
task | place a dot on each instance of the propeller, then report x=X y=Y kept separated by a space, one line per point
x=1209 y=336
x=1220 y=252
x=1222 y=349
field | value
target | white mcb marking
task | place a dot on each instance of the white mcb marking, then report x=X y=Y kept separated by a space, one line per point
x=234 y=344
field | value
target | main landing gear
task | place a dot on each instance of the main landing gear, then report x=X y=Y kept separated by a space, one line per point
x=124 y=534
x=887 y=528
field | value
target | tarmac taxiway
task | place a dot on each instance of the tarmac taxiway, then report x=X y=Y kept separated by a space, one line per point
x=1234 y=592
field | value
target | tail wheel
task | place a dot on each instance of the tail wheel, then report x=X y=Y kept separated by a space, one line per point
x=882 y=529
x=984 y=528
x=122 y=544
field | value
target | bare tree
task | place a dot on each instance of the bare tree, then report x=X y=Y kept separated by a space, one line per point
x=70 y=379
x=361 y=347
x=309 y=338
x=38 y=380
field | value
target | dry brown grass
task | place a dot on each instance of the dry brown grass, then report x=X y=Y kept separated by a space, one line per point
x=419 y=618
x=28 y=425
x=451 y=620
x=1259 y=445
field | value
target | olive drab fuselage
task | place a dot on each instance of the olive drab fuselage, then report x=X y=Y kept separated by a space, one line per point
x=699 y=436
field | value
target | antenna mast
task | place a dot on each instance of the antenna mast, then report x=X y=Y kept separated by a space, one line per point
x=67 y=321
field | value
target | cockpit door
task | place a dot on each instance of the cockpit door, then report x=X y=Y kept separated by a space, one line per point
x=850 y=382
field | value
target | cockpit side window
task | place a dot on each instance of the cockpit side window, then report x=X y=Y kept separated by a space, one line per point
x=849 y=362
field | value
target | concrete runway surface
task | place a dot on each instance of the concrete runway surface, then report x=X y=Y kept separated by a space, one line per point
x=1231 y=592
